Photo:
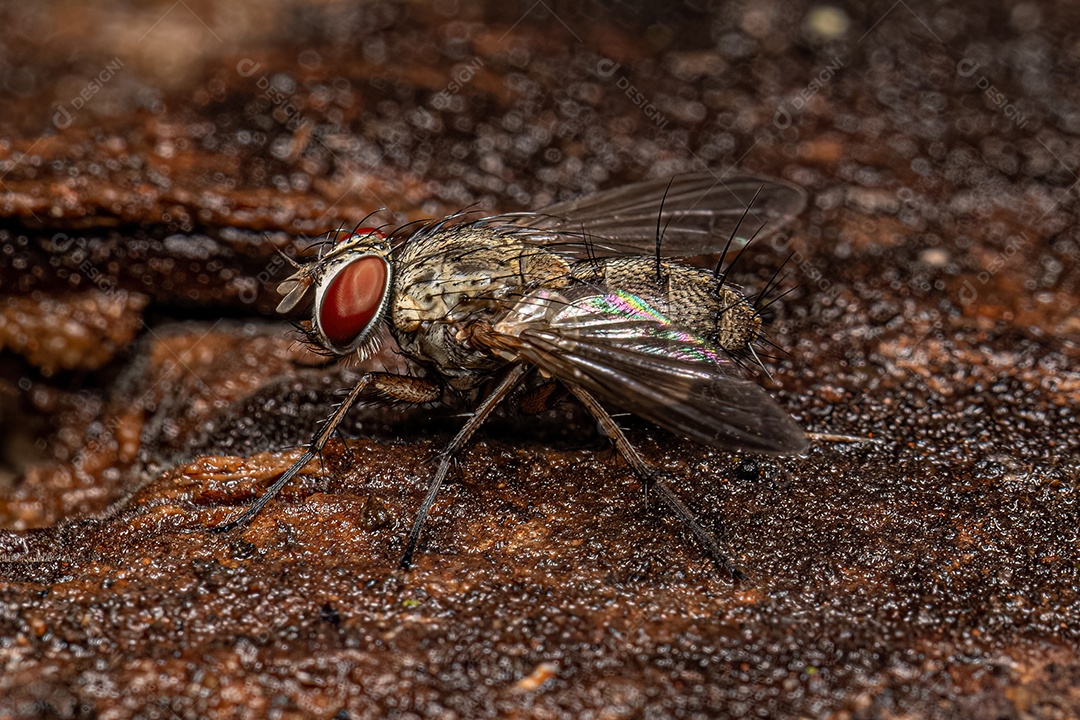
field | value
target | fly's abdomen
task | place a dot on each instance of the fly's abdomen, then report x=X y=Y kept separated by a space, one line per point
x=688 y=296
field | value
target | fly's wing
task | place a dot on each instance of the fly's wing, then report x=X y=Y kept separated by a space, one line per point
x=617 y=347
x=697 y=217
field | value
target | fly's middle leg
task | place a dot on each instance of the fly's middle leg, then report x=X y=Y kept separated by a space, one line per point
x=513 y=377
x=655 y=480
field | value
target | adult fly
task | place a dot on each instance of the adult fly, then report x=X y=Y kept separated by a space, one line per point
x=590 y=294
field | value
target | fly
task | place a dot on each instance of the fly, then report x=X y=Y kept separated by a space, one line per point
x=588 y=294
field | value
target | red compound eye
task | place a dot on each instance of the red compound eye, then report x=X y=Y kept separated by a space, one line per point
x=352 y=300
x=364 y=232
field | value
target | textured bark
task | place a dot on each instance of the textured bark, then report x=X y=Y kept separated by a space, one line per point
x=152 y=165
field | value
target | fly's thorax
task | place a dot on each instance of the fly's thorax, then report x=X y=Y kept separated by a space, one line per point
x=688 y=296
x=439 y=346
x=448 y=277
x=453 y=273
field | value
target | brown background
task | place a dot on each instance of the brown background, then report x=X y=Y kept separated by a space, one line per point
x=152 y=157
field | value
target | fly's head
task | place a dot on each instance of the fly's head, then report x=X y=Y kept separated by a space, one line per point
x=353 y=282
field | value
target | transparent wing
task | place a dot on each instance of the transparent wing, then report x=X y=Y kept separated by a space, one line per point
x=617 y=347
x=699 y=213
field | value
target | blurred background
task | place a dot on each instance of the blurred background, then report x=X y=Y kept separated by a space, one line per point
x=155 y=156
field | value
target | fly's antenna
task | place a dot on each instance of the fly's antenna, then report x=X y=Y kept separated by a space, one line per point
x=734 y=233
x=282 y=253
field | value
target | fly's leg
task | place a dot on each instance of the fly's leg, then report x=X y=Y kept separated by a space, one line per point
x=398 y=386
x=406 y=388
x=652 y=479
x=542 y=398
x=478 y=417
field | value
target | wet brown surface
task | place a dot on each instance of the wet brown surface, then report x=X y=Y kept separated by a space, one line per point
x=933 y=574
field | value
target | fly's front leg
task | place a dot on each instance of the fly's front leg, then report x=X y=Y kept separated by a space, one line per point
x=490 y=403
x=406 y=388
x=653 y=479
x=401 y=387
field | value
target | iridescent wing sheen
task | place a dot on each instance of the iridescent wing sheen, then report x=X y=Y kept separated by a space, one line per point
x=700 y=212
x=616 y=346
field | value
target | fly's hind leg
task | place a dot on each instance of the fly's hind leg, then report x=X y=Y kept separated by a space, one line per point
x=654 y=480
x=402 y=387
